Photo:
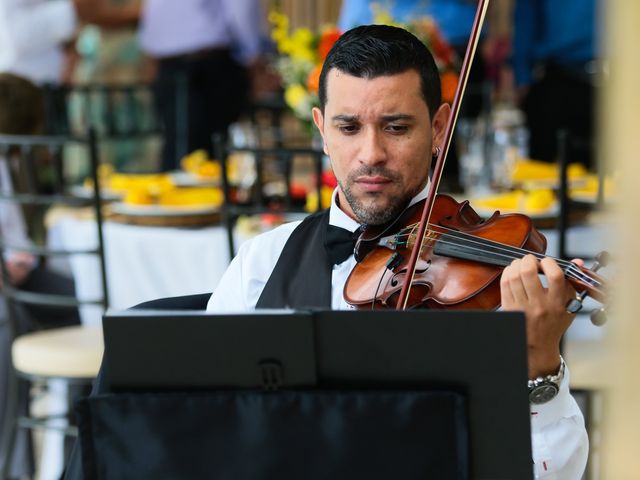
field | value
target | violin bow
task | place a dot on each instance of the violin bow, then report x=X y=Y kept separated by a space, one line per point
x=472 y=45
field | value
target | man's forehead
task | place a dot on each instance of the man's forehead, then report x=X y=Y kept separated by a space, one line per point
x=344 y=87
x=337 y=75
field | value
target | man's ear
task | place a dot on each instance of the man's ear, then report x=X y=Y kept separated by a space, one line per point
x=318 y=119
x=439 y=125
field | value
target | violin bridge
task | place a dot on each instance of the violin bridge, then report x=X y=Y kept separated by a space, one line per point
x=391 y=242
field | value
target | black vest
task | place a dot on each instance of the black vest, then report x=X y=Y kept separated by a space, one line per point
x=302 y=275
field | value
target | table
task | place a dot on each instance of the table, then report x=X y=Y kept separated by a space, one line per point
x=142 y=263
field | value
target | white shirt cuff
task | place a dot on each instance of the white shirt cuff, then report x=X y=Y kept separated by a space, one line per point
x=562 y=406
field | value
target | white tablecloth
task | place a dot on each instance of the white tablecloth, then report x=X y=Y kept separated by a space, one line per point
x=142 y=263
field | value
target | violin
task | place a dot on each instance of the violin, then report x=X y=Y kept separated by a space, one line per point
x=441 y=254
x=459 y=263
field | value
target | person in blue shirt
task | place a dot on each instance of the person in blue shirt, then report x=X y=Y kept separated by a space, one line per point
x=555 y=72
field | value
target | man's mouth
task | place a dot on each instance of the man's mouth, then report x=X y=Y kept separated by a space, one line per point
x=372 y=184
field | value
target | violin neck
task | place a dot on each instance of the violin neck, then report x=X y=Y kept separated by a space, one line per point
x=465 y=247
x=477 y=249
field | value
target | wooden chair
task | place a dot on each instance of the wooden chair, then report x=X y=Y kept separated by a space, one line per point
x=72 y=353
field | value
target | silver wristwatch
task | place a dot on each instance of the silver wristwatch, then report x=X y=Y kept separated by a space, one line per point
x=543 y=389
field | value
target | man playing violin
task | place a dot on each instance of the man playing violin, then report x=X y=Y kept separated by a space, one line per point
x=382 y=121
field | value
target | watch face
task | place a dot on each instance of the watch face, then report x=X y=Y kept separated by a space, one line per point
x=543 y=393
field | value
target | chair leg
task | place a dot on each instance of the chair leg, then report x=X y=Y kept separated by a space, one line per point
x=16 y=456
x=9 y=429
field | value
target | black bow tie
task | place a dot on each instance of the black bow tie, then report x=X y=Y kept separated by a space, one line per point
x=340 y=243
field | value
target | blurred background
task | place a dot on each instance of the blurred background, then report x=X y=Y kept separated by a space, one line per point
x=163 y=134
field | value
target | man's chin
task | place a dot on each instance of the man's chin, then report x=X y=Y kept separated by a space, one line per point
x=377 y=213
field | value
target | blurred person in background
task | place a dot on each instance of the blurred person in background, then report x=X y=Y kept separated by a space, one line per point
x=556 y=70
x=22 y=112
x=206 y=53
x=37 y=36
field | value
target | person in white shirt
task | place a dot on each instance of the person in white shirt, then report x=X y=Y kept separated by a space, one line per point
x=34 y=33
x=381 y=120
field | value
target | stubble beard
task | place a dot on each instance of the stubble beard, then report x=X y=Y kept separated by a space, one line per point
x=373 y=214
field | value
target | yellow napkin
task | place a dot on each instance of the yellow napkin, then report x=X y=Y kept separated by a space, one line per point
x=526 y=170
x=534 y=201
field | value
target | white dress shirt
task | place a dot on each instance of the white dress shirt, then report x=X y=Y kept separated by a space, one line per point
x=558 y=435
x=31 y=36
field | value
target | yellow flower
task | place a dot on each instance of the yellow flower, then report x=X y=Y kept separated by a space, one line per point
x=302 y=45
x=278 y=18
x=295 y=95
x=381 y=16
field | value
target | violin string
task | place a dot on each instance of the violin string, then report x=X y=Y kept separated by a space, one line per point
x=493 y=243
x=571 y=270
x=497 y=245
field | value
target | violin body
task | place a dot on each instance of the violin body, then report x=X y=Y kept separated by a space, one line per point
x=450 y=272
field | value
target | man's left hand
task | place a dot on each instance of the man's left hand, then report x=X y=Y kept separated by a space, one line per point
x=545 y=308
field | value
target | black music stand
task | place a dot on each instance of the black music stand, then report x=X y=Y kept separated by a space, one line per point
x=426 y=394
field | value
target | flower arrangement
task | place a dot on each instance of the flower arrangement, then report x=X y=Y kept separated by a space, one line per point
x=301 y=56
x=302 y=53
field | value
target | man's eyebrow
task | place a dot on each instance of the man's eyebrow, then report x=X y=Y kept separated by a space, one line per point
x=387 y=118
x=397 y=116
x=345 y=118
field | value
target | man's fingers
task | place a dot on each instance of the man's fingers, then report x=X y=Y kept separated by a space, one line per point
x=578 y=261
x=560 y=291
x=512 y=282
x=529 y=269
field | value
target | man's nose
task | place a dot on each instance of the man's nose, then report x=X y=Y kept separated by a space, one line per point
x=372 y=148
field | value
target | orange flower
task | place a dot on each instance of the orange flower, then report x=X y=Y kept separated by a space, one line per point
x=313 y=79
x=449 y=80
x=327 y=40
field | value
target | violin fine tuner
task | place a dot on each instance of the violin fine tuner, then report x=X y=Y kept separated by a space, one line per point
x=598 y=316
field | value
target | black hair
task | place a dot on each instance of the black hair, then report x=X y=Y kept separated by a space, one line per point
x=370 y=51
x=21 y=106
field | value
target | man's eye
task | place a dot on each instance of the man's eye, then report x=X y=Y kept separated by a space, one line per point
x=394 y=128
x=348 y=129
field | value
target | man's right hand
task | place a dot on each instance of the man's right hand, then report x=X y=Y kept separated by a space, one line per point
x=19 y=267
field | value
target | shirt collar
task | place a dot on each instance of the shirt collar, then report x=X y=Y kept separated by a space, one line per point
x=338 y=218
